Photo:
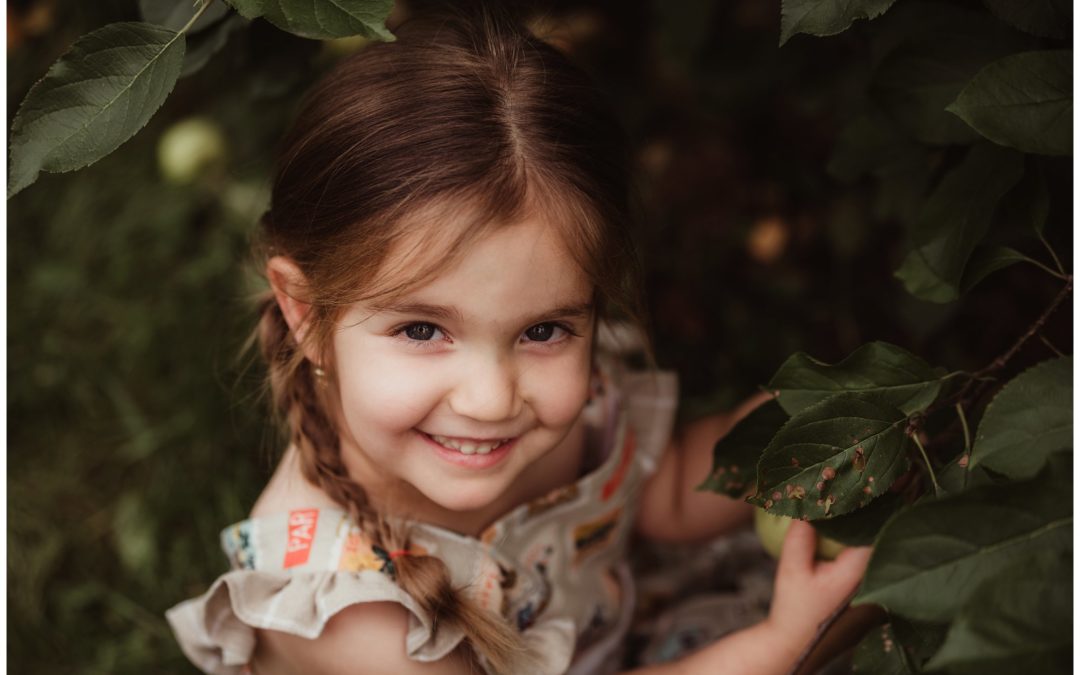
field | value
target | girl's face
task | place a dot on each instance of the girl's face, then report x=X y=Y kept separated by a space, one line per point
x=463 y=384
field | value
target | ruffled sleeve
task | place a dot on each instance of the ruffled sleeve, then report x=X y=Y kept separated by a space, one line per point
x=333 y=569
x=217 y=630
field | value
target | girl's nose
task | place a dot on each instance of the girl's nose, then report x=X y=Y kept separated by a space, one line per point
x=487 y=390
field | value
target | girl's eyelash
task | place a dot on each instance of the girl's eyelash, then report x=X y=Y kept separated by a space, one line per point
x=399 y=332
x=553 y=343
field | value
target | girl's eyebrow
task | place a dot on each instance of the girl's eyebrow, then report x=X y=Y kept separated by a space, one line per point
x=576 y=311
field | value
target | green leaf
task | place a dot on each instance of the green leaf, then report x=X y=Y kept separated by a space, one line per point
x=321 y=19
x=916 y=81
x=958 y=476
x=1028 y=420
x=985 y=261
x=919 y=640
x=879 y=653
x=1023 y=101
x=174 y=14
x=1044 y=18
x=1018 y=621
x=901 y=378
x=861 y=527
x=833 y=457
x=955 y=219
x=826 y=17
x=95 y=97
x=929 y=560
x=736 y=455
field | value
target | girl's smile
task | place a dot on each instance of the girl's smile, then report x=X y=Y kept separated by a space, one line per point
x=470 y=454
x=458 y=396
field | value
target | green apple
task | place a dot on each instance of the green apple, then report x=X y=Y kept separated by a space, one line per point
x=188 y=148
x=772 y=529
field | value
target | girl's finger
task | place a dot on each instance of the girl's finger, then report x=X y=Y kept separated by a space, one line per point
x=849 y=566
x=797 y=553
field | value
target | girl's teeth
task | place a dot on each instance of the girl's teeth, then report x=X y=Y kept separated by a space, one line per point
x=466 y=448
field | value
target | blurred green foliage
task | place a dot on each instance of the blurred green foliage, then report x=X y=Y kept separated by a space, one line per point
x=136 y=428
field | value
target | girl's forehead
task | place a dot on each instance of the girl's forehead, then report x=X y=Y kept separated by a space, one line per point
x=495 y=267
x=447 y=247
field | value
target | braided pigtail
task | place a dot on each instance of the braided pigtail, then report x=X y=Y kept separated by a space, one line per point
x=300 y=396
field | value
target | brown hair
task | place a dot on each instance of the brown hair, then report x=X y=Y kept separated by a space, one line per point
x=469 y=112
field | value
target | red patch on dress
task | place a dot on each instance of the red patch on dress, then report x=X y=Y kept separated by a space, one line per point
x=301 y=533
x=616 y=479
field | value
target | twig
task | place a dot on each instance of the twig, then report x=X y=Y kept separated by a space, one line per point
x=961 y=396
x=1000 y=361
x=822 y=629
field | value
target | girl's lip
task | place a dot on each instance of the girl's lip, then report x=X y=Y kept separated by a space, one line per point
x=474 y=461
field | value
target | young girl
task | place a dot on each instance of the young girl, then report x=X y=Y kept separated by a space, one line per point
x=446 y=237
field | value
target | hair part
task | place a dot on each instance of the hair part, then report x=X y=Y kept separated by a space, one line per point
x=461 y=126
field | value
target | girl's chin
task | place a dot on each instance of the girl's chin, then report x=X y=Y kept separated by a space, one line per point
x=465 y=501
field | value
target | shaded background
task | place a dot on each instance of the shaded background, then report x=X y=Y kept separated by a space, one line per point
x=136 y=426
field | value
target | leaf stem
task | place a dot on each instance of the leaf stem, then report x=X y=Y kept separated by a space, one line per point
x=967 y=432
x=1050 y=250
x=1050 y=345
x=1044 y=268
x=202 y=10
x=929 y=468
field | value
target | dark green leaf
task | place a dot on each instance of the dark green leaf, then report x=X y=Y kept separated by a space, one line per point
x=919 y=640
x=93 y=99
x=174 y=14
x=1018 y=621
x=880 y=653
x=826 y=17
x=1030 y=418
x=833 y=457
x=955 y=219
x=985 y=261
x=901 y=378
x=736 y=455
x=915 y=82
x=203 y=46
x=1023 y=101
x=861 y=527
x=929 y=560
x=321 y=19
x=1045 y=18
x=958 y=475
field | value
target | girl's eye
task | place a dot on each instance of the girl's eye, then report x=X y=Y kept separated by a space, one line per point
x=542 y=332
x=421 y=332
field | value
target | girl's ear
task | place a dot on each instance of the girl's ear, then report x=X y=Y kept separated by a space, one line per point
x=289 y=286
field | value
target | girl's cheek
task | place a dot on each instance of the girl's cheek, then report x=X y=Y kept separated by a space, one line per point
x=391 y=395
x=561 y=389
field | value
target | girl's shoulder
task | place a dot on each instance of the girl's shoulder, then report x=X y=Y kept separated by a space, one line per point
x=288 y=490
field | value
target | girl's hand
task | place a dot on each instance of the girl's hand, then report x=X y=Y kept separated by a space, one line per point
x=808 y=591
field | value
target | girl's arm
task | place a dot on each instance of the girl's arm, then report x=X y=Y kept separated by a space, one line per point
x=366 y=638
x=670 y=507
